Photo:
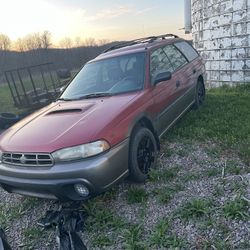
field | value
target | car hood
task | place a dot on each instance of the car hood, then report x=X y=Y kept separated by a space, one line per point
x=64 y=124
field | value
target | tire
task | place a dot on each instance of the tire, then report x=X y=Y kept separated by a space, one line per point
x=142 y=154
x=200 y=94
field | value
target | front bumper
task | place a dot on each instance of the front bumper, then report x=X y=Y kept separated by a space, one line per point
x=96 y=173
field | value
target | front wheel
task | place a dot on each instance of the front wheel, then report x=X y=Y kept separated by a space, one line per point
x=142 y=154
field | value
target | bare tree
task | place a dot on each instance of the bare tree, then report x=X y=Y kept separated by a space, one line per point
x=32 y=41
x=103 y=42
x=45 y=38
x=90 y=42
x=5 y=42
x=19 y=45
x=66 y=43
x=78 y=42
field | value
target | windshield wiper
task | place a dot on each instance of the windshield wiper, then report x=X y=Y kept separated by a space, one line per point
x=93 y=95
x=65 y=99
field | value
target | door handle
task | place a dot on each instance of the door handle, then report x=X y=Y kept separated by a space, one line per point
x=178 y=83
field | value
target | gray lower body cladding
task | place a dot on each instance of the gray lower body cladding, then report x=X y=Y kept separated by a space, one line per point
x=96 y=173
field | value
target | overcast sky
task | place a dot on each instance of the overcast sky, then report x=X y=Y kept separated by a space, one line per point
x=101 y=19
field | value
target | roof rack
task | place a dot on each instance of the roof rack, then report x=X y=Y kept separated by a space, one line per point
x=149 y=39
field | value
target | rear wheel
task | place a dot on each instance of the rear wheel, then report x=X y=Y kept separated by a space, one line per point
x=200 y=94
x=142 y=154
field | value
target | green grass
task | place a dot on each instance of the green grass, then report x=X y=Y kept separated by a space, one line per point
x=195 y=208
x=165 y=194
x=218 y=190
x=31 y=236
x=162 y=237
x=102 y=218
x=108 y=195
x=164 y=175
x=10 y=213
x=182 y=152
x=213 y=151
x=102 y=240
x=217 y=243
x=136 y=195
x=133 y=237
x=191 y=177
x=6 y=102
x=224 y=119
x=237 y=208
x=239 y=188
x=212 y=172
x=158 y=236
x=168 y=152
x=232 y=167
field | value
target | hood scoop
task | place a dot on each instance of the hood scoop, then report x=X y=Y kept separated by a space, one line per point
x=63 y=111
x=68 y=108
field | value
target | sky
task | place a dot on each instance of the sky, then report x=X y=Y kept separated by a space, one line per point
x=100 y=19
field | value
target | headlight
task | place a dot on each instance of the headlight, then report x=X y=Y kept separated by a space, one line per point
x=81 y=152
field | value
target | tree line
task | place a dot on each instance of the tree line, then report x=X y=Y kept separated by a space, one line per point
x=43 y=40
x=37 y=48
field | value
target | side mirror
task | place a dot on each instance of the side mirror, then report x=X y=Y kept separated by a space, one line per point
x=165 y=76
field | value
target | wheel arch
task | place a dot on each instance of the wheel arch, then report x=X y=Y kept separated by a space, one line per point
x=145 y=121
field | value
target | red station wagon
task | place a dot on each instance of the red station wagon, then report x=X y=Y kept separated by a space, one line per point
x=106 y=124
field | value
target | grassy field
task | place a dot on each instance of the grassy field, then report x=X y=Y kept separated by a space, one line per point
x=224 y=119
x=197 y=197
x=6 y=102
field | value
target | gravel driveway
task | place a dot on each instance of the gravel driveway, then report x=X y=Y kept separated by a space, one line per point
x=198 y=198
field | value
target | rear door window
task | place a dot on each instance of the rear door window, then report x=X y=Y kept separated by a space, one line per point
x=176 y=58
x=187 y=50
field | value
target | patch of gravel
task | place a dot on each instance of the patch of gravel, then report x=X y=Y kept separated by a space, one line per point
x=11 y=199
x=191 y=158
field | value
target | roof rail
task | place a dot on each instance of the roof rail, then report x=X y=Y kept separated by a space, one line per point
x=149 y=39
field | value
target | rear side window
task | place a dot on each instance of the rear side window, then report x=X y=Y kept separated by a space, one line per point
x=175 y=56
x=159 y=63
x=187 y=50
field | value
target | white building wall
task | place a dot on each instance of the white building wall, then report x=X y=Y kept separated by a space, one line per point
x=221 y=32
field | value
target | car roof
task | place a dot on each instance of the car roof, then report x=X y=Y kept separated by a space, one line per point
x=138 y=45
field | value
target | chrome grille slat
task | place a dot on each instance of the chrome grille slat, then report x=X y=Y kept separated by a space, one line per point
x=28 y=160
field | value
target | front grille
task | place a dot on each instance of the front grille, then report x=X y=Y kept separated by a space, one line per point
x=27 y=160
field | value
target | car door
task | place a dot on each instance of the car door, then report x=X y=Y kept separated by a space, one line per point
x=165 y=93
x=192 y=69
x=182 y=72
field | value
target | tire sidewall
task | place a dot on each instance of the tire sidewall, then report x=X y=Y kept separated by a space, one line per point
x=197 y=101
x=135 y=173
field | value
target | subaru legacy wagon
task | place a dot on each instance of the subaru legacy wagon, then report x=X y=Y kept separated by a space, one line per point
x=106 y=124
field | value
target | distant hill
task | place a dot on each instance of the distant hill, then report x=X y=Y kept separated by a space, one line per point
x=61 y=58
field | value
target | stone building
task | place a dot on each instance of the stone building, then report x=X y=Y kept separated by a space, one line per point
x=221 y=33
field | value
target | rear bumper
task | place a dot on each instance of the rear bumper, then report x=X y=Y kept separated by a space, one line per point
x=96 y=173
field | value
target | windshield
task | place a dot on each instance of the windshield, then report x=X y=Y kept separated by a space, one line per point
x=108 y=77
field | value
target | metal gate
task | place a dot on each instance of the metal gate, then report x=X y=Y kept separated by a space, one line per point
x=33 y=87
